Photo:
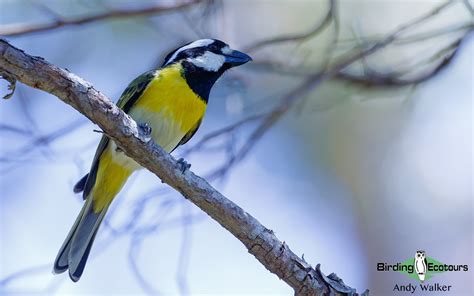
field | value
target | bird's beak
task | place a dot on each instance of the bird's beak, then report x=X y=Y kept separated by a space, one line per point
x=236 y=58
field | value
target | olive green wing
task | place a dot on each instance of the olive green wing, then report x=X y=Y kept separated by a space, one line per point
x=128 y=98
x=134 y=90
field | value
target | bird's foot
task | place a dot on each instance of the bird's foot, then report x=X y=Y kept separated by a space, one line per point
x=184 y=166
x=145 y=132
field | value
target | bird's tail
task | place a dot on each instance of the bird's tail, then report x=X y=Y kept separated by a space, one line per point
x=75 y=249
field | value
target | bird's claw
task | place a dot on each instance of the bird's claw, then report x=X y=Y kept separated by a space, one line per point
x=145 y=131
x=184 y=166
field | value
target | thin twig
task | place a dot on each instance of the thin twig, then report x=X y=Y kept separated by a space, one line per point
x=418 y=36
x=318 y=27
x=23 y=29
x=375 y=79
x=225 y=130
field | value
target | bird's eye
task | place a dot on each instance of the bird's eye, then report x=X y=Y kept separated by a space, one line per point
x=213 y=47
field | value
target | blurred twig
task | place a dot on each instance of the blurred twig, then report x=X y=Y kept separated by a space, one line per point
x=225 y=130
x=373 y=78
x=469 y=7
x=59 y=21
x=418 y=36
x=318 y=27
x=41 y=140
x=15 y=130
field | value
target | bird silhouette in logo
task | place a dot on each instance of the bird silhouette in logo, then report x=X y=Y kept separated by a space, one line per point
x=420 y=265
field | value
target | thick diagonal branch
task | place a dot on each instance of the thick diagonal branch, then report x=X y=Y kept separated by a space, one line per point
x=259 y=240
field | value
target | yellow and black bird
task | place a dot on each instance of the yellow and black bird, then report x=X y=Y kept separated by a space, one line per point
x=171 y=101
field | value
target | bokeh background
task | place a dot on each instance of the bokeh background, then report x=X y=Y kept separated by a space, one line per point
x=352 y=175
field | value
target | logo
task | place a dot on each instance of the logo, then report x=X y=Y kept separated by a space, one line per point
x=421 y=269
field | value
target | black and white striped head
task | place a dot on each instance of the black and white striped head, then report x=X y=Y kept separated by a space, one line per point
x=209 y=54
x=204 y=61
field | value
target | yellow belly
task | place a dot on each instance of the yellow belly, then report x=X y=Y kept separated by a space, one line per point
x=111 y=176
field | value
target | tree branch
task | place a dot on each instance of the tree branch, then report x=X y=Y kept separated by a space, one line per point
x=375 y=79
x=260 y=241
x=22 y=29
x=317 y=28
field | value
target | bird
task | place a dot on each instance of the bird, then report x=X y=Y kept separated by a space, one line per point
x=420 y=264
x=170 y=103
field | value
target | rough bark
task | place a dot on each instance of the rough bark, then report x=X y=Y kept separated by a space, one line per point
x=260 y=241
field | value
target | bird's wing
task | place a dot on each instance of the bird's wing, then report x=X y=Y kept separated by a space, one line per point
x=128 y=98
x=189 y=134
x=95 y=165
x=134 y=90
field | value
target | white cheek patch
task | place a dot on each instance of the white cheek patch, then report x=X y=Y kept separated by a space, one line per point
x=208 y=61
x=197 y=43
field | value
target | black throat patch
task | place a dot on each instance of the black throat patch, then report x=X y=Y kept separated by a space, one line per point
x=199 y=79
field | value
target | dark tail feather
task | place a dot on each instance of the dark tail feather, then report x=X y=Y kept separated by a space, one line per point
x=76 y=248
x=81 y=184
x=76 y=274
x=61 y=262
x=82 y=241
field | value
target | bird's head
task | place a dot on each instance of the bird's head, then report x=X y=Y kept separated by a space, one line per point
x=210 y=55
x=204 y=61
x=420 y=254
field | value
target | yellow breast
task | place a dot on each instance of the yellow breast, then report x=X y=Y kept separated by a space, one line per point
x=169 y=106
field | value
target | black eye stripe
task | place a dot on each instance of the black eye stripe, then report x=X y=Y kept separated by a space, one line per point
x=214 y=47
